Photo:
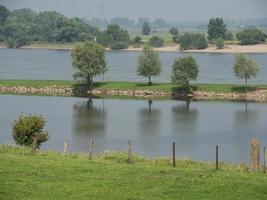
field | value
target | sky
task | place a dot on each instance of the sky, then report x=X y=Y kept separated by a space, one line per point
x=171 y=10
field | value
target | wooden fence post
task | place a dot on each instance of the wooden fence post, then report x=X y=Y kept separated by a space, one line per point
x=173 y=155
x=265 y=158
x=254 y=155
x=66 y=146
x=217 y=157
x=91 y=146
x=129 y=151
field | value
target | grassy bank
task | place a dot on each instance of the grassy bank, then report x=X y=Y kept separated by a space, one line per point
x=165 y=87
x=50 y=175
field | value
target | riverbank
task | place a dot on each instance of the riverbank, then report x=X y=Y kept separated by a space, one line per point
x=229 y=48
x=256 y=93
x=51 y=175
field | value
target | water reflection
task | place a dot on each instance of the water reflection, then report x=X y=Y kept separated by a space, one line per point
x=149 y=119
x=182 y=115
x=88 y=119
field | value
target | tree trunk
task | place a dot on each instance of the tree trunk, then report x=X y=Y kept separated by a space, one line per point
x=90 y=83
x=246 y=81
x=149 y=82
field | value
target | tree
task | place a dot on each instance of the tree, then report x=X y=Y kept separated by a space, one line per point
x=156 y=41
x=245 y=67
x=146 y=29
x=193 y=41
x=250 y=36
x=174 y=31
x=28 y=129
x=88 y=61
x=216 y=28
x=149 y=63
x=184 y=70
x=4 y=13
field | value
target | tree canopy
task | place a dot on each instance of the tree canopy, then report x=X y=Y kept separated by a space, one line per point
x=184 y=70
x=245 y=67
x=216 y=28
x=146 y=29
x=88 y=61
x=250 y=36
x=149 y=63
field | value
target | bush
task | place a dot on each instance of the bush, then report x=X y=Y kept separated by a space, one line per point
x=176 y=39
x=220 y=43
x=174 y=31
x=250 y=36
x=10 y=43
x=28 y=128
x=193 y=41
x=229 y=36
x=138 y=40
x=156 y=41
x=22 y=41
x=119 y=45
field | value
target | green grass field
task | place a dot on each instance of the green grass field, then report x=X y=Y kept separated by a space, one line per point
x=50 y=175
x=165 y=87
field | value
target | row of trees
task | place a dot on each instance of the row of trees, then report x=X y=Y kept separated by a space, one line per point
x=89 y=61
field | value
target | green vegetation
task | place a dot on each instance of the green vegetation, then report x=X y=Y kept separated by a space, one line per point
x=149 y=64
x=220 y=43
x=146 y=29
x=20 y=27
x=88 y=61
x=250 y=36
x=174 y=31
x=245 y=67
x=51 y=175
x=165 y=87
x=156 y=41
x=114 y=37
x=184 y=70
x=193 y=41
x=28 y=130
x=216 y=29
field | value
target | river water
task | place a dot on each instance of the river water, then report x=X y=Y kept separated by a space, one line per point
x=56 y=65
x=196 y=127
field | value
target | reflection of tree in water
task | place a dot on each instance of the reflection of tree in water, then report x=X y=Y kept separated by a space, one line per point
x=184 y=118
x=149 y=119
x=89 y=119
x=246 y=119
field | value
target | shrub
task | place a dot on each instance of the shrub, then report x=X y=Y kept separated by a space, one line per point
x=220 y=43
x=119 y=45
x=174 y=31
x=229 y=36
x=28 y=128
x=193 y=41
x=10 y=42
x=176 y=39
x=250 y=36
x=156 y=41
x=138 y=40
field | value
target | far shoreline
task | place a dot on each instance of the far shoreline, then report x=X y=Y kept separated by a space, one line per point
x=229 y=49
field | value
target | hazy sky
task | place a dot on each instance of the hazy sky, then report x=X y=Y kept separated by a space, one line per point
x=172 y=10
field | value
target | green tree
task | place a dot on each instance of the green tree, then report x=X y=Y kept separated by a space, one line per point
x=88 y=61
x=146 y=29
x=250 y=36
x=174 y=31
x=193 y=41
x=184 y=70
x=156 y=41
x=149 y=63
x=245 y=67
x=29 y=128
x=4 y=13
x=216 y=28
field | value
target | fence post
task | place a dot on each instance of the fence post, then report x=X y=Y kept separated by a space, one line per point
x=217 y=157
x=254 y=155
x=265 y=158
x=91 y=146
x=129 y=151
x=173 y=155
x=66 y=146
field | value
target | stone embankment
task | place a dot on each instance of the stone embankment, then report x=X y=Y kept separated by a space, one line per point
x=257 y=96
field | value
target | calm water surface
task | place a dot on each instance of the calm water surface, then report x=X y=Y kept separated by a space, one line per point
x=56 y=65
x=152 y=126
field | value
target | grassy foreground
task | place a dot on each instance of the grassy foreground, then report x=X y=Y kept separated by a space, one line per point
x=165 y=87
x=50 y=175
